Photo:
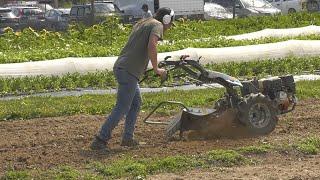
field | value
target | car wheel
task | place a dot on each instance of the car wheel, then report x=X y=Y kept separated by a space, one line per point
x=291 y=10
x=53 y=27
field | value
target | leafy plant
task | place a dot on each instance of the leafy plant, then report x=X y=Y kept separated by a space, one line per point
x=225 y=157
x=309 y=145
x=262 y=149
x=108 y=38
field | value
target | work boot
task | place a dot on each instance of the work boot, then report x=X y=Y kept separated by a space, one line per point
x=129 y=143
x=99 y=145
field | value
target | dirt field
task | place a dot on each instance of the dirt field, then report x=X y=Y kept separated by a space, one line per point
x=48 y=142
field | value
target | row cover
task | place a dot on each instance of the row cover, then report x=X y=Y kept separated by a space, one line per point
x=277 y=50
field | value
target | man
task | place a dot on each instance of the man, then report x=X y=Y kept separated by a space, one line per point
x=146 y=12
x=129 y=67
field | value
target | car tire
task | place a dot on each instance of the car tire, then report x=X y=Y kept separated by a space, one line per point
x=53 y=27
x=291 y=10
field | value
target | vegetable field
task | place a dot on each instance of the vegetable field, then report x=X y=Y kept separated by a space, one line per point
x=49 y=137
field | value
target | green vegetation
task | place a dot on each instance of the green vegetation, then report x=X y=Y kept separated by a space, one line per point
x=66 y=172
x=105 y=79
x=14 y=175
x=131 y=167
x=225 y=157
x=34 y=107
x=38 y=84
x=95 y=104
x=310 y=145
x=262 y=149
x=140 y=168
x=108 y=38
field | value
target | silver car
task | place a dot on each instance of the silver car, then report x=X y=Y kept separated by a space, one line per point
x=57 y=19
x=216 y=11
x=245 y=8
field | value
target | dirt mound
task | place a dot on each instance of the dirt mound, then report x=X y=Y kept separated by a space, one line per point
x=224 y=126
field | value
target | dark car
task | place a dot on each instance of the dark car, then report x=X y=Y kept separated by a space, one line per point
x=57 y=19
x=29 y=16
x=8 y=19
x=81 y=13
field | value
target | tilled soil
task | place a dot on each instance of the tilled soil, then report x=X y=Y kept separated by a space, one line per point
x=44 y=143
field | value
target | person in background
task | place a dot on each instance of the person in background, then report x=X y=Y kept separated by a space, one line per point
x=146 y=12
x=128 y=69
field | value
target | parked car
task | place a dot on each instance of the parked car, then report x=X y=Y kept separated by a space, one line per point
x=8 y=19
x=193 y=9
x=287 y=6
x=216 y=11
x=41 y=4
x=57 y=19
x=29 y=16
x=310 y=5
x=81 y=13
x=245 y=8
x=43 y=7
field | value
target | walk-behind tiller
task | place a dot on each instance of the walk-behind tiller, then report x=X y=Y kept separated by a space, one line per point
x=253 y=104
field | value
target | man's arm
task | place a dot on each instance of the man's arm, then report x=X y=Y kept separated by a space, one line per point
x=153 y=54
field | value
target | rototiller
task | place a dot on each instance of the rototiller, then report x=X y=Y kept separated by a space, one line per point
x=254 y=104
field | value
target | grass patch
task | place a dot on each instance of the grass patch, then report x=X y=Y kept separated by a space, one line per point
x=309 y=146
x=66 y=172
x=122 y=168
x=225 y=158
x=16 y=175
x=262 y=149
x=141 y=168
x=174 y=164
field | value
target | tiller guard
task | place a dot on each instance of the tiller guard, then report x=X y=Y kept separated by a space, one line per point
x=188 y=119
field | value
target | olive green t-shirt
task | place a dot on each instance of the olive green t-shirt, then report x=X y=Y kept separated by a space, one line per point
x=134 y=56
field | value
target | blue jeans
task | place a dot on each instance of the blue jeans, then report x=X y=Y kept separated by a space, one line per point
x=128 y=104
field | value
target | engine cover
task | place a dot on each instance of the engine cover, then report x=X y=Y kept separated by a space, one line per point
x=269 y=86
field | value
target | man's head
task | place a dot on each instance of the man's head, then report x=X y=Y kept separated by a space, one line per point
x=166 y=16
x=145 y=7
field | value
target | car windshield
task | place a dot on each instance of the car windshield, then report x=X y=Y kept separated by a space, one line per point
x=256 y=3
x=64 y=11
x=104 y=8
x=6 y=14
x=46 y=7
x=30 y=11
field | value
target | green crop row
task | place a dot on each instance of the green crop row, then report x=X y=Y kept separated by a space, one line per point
x=34 y=107
x=108 y=38
x=105 y=79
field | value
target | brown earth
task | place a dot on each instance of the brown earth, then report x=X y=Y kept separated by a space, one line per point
x=45 y=143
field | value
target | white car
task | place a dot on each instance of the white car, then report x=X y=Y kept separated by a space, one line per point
x=291 y=6
x=287 y=6
x=245 y=8
x=216 y=11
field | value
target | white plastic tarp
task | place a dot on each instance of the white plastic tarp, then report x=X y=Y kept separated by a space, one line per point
x=278 y=33
x=296 y=48
x=266 y=33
